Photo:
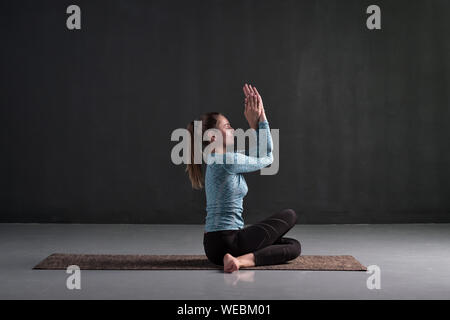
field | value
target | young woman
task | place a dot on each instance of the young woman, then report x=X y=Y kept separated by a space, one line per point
x=226 y=242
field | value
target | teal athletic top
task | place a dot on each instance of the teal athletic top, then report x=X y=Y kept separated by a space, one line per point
x=225 y=185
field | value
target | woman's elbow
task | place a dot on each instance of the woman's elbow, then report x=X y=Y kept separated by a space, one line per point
x=270 y=158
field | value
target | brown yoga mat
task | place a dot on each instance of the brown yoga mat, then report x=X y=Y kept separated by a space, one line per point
x=188 y=262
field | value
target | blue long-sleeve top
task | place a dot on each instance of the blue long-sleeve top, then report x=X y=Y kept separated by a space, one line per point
x=225 y=185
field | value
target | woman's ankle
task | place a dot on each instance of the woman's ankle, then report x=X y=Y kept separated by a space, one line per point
x=246 y=260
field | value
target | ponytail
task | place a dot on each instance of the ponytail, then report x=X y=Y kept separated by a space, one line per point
x=194 y=170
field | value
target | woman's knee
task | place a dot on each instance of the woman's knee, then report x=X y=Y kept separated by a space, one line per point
x=298 y=248
x=291 y=216
x=295 y=249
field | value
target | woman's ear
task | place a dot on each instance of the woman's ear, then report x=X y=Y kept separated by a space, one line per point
x=211 y=136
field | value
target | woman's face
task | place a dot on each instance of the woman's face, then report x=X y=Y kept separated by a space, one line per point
x=227 y=130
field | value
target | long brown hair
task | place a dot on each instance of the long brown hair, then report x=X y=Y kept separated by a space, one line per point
x=209 y=120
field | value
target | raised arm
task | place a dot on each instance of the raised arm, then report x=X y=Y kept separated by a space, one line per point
x=258 y=115
x=255 y=159
x=241 y=163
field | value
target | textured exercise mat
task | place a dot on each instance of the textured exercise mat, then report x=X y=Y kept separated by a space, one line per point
x=188 y=262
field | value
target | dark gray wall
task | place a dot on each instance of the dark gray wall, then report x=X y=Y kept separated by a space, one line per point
x=86 y=116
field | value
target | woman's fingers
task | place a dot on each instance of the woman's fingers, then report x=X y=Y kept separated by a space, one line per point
x=257 y=93
x=260 y=104
x=251 y=90
x=246 y=90
x=253 y=100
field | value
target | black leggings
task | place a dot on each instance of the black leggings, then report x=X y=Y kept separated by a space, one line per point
x=265 y=239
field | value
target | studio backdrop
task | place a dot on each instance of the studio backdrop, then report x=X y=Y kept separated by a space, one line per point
x=87 y=112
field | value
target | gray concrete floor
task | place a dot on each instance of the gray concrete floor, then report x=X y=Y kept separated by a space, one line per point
x=414 y=260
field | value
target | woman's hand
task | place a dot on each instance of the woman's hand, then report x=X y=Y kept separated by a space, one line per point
x=254 y=108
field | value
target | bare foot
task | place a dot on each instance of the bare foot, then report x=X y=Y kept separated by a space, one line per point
x=230 y=263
